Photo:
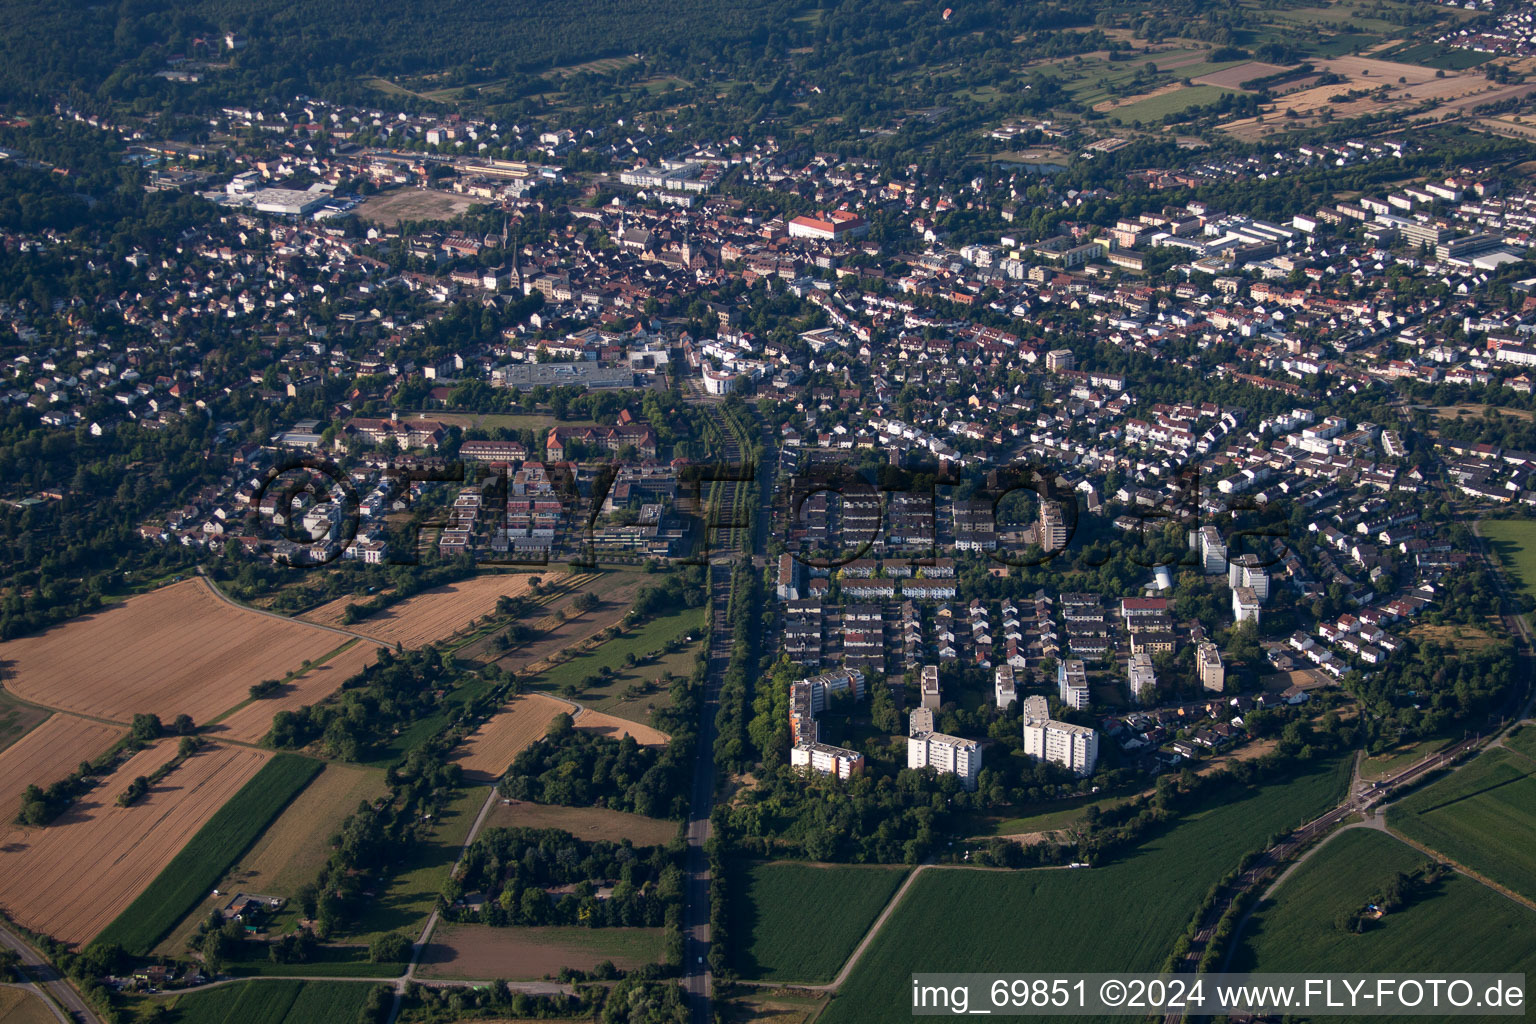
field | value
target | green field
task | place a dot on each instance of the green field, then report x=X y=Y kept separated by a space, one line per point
x=1062 y=814
x=1522 y=740
x=1514 y=541
x=273 y=1002
x=1122 y=916
x=649 y=636
x=1153 y=108
x=1434 y=55
x=412 y=891
x=1434 y=932
x=1483 y=816
x=209 y=854
x=327 y=962
x=771 y=903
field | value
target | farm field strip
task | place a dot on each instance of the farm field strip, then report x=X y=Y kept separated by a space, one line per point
x=49 y=753
x=251 y=722
x=490 y=750
x=588 y=823
x=293 y=848
x=199 y=864
x=280 y=1001
x=950 y=919
x=615 y=727
x=176 y=650
x=1295 y=931
x=774 y=901
x=432 y=614
x=1483 y=816
x=521 y=954
x=119 y=849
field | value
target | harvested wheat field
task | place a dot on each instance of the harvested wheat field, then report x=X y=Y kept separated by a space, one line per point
x=49 y=753
x=490 y=750
x=177 y=650
x=76 y=876
x=432 y=614
x=250 y=723
x=609 y=725
x=22 y=1006
x=293 y=848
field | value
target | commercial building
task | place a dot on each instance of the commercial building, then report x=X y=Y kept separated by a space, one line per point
x=835 y=226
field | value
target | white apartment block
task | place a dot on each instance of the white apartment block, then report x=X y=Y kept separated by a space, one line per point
x=826 y=759
x=1072 y=682
x=1244 y=571
x=1052 y=533
x=1208 y=662
x=946 y=754
x=1142 y=677
x=1004 y=689
x=1071 y=746
x=1245 y=605
x=930 y=687
x=1213 y=551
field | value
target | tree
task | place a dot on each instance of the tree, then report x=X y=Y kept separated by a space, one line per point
x=390 y=948
x=183 y=725
x=146 y=728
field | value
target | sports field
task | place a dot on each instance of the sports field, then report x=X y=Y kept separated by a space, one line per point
x=1122 y=916
x=1482 y=815
x=1296 y=930
x=771 y=903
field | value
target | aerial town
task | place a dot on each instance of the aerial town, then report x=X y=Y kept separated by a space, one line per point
x=518 y=540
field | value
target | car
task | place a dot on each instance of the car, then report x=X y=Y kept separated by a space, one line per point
x=701 y=959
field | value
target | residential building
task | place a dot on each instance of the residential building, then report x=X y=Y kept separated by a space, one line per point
x=1208 y=663
x=1072 y=682
x=945 y=754
x=1045 y=739
x=1142 y=677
